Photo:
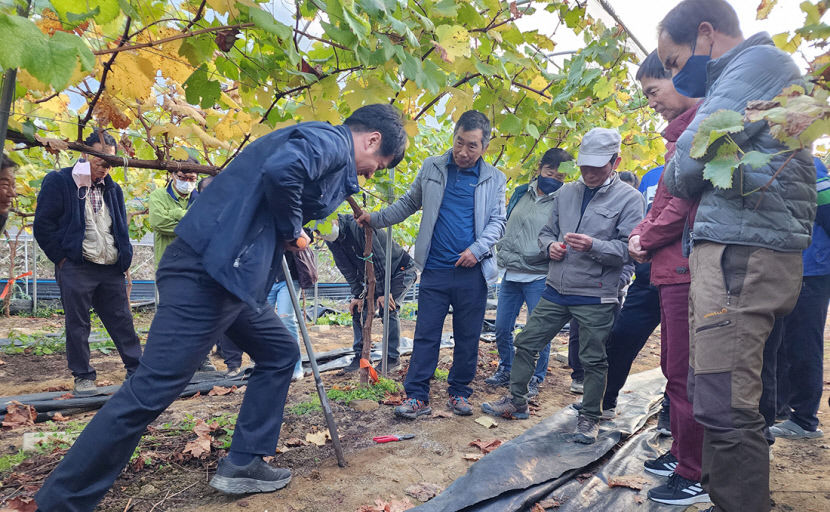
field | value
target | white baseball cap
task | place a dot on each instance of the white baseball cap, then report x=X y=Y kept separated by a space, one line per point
x=598 y=146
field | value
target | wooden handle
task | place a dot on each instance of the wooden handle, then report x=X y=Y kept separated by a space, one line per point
x=355 y=207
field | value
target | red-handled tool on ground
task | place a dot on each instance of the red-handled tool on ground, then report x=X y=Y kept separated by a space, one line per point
x=392 y=438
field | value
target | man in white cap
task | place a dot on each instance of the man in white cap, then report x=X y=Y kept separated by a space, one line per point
x=586 y=241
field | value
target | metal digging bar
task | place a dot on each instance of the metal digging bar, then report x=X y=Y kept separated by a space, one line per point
x=321 y=391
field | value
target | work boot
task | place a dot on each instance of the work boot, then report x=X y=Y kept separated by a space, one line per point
x=206 y=366
x=391 y=365
x=233 y=372
x=411 y=408
x=506 y=408
x=607 y=414
x=577 y=386
x=257 y=476
x=499 y=379
x=587 y=430
x=84 y=386
x=460 y=405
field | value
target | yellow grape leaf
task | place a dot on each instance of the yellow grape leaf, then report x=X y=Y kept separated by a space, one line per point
x=455 y=40
x=179 y=153
x=783 y=42
x=234 y=125
x=182 y=109
x=764 y=8
x=539 y=83
x=209 y=140
x=514 y=172
x=260 y=129
x=167 y=58
x=31 y=83
x=230 y=102
x=411 y=127
x=460 y=101
x=603 y=88
x=132 y=76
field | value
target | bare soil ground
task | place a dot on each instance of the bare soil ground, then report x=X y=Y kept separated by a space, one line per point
x=173 y=481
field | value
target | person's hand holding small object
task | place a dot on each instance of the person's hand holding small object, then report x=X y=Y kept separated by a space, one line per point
x=579 y=242
x=557 y=250
x=300 y=244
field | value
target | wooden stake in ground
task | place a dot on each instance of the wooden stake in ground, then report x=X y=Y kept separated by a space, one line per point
x=370 y=295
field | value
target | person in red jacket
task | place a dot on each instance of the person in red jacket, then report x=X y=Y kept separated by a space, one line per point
x=659 y=238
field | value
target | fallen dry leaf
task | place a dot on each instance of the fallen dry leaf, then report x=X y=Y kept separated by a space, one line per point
x=486 y=446
x=18 y=415
x=635 y=482
x=59 y=417
x=549 y=503
x=318 y=438
x=53 y=146
x=56 y=389
x=220 y=391
x=104 y=383
x=198 y=447
x=441 y=414
x=423 y=491
x=293 y=442
x=472 y=456
x=639 y=500
x=2 y=362
x=487 y=422
x=393 y=399
x=20 y=504
x=197 y=395
x=65 y=396
x=537 y=508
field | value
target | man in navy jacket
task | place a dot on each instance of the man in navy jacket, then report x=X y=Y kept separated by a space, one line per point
x=213 y=279
x=83 y=230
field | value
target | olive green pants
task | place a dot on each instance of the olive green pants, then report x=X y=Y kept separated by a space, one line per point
x=548 y=318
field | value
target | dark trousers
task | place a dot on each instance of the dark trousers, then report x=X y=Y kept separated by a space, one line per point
x=466 y=291
x=634 y=323
x=193 y=312
x=769 y=377
x=102 y=287
x=736 y=294
x=801 y=369
x=687 y=433
x=231 y=354
x=399 y=283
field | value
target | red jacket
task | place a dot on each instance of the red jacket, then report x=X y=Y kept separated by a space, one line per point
x=661 y=231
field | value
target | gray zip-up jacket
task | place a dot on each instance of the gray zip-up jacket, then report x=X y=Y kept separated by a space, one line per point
x=753 y=70
x=612 y=213
x=427 y=192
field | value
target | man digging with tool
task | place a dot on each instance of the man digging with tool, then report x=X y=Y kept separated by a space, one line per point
x=213 y=279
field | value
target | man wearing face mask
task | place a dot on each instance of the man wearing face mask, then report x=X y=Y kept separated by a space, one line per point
x=746 y=261
x=346 y=242
x=81 y=225
x=525 y=265
x=168 y=205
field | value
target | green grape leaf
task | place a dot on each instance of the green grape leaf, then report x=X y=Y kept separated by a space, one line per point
x=266 y=22
x=511 y=125
x=201 y=90
x=532 y=130
x=756 y=159
x=719 y=170
x=14 y=30
x=108 y=10
x=713 y=128
x=569 y=168
x=57 y=60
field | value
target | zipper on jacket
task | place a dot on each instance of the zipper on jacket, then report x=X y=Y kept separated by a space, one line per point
x=723 y=323
x=245 y=249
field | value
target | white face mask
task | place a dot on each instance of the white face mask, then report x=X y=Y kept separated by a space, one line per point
x=81 y=174
x=184 y=187
x=334 y=235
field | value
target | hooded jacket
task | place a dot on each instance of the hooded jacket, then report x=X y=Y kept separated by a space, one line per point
x=753 y=70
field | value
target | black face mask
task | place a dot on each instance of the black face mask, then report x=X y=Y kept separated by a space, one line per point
x=548 y=185
x=3 y=218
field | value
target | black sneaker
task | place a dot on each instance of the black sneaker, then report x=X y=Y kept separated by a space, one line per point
x=533 y=387
x=664 y=422
x=679 y=491
x=257 y=476
x=662 y=466
x=587 y=430
x=459 y=405
x=391 y=365
x=206 y=366
x=499 y=379
x=505 y=408
x=607 y=414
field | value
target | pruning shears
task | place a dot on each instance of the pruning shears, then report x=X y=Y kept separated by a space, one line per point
x=392 y=438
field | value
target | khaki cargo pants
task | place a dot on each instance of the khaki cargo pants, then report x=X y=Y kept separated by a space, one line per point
x=735 y=295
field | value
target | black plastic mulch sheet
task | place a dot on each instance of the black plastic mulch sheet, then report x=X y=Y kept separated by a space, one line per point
x=46 y=404
x=596 y=494
x=531 y=466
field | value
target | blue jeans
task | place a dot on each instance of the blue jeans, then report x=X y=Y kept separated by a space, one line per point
x=193 y=312
x=512 y=295
x=466 y=291
x=801 y=369
x=280 y=298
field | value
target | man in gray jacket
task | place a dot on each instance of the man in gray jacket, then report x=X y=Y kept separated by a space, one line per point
x=586 y=240
x=746 y=261
x=525 y=264
x=463 y=201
